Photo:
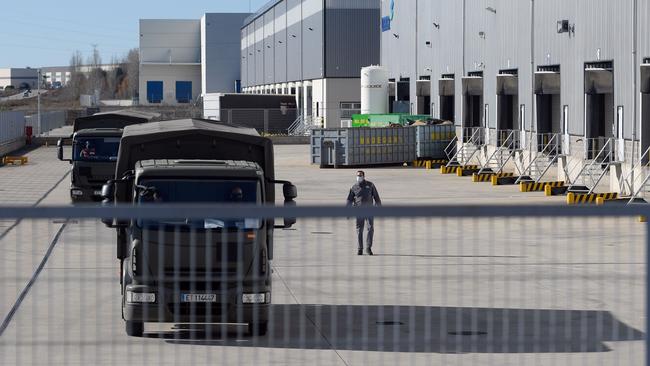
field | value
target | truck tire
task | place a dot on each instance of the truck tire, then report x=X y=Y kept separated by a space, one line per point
x=258 y=329
x=134 y=329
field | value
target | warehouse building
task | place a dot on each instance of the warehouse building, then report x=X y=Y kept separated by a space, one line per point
x=313 y=49
x=181 y=60
x=19 y=78
x=528 y=75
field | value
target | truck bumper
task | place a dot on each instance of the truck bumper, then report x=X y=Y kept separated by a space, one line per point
x=78 y=194
x=169 y=308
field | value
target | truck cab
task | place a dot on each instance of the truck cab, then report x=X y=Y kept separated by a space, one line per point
x=95 y=143
x=94 y=153
x=187 y=270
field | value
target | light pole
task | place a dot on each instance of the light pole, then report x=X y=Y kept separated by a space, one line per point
x=39 y=100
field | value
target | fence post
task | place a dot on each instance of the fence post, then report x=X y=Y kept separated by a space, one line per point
x=266 y=121
x=647 y=288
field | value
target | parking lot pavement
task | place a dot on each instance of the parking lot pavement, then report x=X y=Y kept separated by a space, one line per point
x=396 y=185
x=445 y=291
x=30 y=183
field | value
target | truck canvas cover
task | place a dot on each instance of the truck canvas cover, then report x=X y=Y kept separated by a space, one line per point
x=194 y=139
x=117 y=119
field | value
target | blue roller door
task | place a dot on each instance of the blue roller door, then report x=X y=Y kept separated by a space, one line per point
x=183 y=91
x=154 y=91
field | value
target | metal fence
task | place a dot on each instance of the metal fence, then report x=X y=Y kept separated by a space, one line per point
x=447 y=285
x=48 y=122
x=12 y=126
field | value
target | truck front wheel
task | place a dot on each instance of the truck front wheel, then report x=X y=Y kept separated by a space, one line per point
x=134 y=329
x=258 y=329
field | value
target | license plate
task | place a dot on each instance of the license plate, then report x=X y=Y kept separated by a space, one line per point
x=199 y=298
x=98 y=193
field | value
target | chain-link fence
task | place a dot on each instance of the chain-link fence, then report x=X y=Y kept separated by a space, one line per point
x=446 y=285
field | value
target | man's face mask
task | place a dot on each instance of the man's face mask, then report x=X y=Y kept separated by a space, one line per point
x=360 y=179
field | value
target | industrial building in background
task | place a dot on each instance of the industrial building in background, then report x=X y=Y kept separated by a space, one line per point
x=312 y=49
x=560 y=90
x=26 y=78
x=181 y=60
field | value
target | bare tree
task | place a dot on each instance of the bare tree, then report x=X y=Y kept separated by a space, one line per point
x=97 y=76
x=77 y=83
x=133 y=72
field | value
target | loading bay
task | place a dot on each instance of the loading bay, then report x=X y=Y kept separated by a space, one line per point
x=524 y=290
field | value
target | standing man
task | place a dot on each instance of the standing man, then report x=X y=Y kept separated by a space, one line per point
x=364 y=193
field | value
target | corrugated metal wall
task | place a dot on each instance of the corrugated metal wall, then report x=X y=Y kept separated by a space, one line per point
x=280 y=11
x=352 y=39
x=287 y=42
x=12 y=126
x=495 y=35
x=312 y=44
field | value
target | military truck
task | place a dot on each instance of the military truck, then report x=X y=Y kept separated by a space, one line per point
x=95 y=142
x=189 y=271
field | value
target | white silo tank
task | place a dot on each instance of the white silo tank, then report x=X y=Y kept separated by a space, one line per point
x=374 y=90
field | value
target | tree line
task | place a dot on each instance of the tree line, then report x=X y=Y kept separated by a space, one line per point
x=120 y=81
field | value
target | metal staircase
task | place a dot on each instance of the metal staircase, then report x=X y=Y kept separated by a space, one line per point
x=508 y=142
x=547 y=156
x=302 y=126
x=636 y=184
x=473 y=142
x=600 y=155
x=450 y=150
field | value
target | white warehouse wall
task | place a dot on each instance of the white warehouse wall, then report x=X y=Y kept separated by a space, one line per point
x=169 y=74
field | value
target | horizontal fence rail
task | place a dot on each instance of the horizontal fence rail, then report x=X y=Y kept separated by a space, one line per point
x=447 y=285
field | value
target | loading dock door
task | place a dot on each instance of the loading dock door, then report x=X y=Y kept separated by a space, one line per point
x=548 y=99
x=424 y=97
x=154 y=91
x=645 y=107
x=183 y=91
x=473 y=102
x=507 y=102
x=447 y=89
x=599 y=103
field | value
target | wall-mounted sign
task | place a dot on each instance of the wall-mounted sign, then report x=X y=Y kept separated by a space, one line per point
x=385 y=24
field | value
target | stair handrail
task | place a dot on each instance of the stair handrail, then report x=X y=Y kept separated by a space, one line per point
x=538 y=155
x=639 y=189
x=474 y=137
x=506 y=144
x=450 y=147
x=293 y=128
x=625 y=182
x=592 y=163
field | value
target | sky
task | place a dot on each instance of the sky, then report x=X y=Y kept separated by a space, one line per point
x=41 y=33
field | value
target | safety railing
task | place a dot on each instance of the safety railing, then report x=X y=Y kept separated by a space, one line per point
x=547 y=154
x=488 y=285
x=473 y=141
x=508 y=143
x=451 y=148
x=640 y=170
x=596 y=165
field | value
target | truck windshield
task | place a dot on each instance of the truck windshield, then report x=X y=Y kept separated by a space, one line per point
x=201 y=191
x=102 y=149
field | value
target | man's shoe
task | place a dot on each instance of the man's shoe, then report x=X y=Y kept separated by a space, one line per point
x=360 y=252
x=369 y=251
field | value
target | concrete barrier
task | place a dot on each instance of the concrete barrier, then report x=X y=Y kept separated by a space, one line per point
x=577 y=198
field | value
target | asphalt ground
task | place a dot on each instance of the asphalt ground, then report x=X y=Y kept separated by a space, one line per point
x=502 y=291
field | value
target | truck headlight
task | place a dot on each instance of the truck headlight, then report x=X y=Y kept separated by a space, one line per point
x=140 y=297
x=263 y=298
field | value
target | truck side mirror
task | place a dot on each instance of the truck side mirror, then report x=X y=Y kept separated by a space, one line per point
x=59 y=152
x=289 y=221
x=108 y=196
x=290 y=192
